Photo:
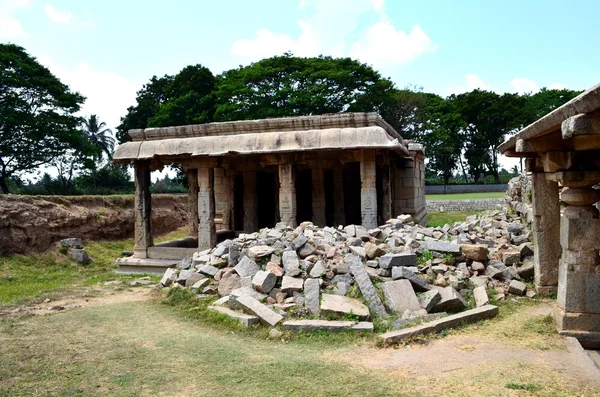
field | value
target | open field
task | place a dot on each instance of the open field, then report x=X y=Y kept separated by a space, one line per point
x=441 y=218
x=465 y=196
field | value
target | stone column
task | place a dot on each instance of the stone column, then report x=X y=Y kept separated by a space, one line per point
x=339 y=212
x=546 y=232
x=250 y=202
x=318 y=195
x=143 y=210
x=192 y=177
x=368 y=190
x=386 y=211
x=207 y=236
x=287 y=194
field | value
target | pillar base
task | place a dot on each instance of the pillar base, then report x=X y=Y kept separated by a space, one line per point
x=546 y=291
x=582 y=326
x=140 y=253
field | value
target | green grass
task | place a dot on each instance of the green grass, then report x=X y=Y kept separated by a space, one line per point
x=441 y=218
x=464 y=196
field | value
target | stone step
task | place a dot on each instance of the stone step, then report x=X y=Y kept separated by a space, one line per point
x=244 y=319
x=469 y=316
x=325 y=325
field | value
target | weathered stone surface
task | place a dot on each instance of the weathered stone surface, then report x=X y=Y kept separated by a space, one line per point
x=184 y=275
x=193 y=278
x=400 y=296
x=264 y=281
x=474 y=252
x=244 y=319
x=481 y=296
x=363 y=326
x=234 y=255
x=477 y=266
x=291 y=284
x=252 y=306
x=340 y=305
x=275 y=269
x=259 y=251
x=246 y=267
x=366 y=286
x=516 y=287
x=73 y=242
x=311 y=294
x=199 y=284
x=373 y=251
x=418 y=282
x=229 y=282
x=208 y=270
x=169 y=277
x=291 y=263
x=318 y=270
x=306 y=250
x=388 y=261
x=360 y=251
x=429 y=299
x=473 y=315
x=299 y=242
x=451 y=300
x=79 y=255
x=511 y=257
x=248 y=291
x=527 y=270
x=441 y=246
x=317 y=325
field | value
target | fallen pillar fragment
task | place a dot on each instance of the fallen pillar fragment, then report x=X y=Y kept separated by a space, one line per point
x=244 y=319
x=325 y=325
x=473 y=315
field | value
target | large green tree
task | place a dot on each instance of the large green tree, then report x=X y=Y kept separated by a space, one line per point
x=37 y=121
x=546 y=100
x=184 y=98
x=294 y=86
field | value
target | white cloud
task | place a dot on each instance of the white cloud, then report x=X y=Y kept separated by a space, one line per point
x=331 y=27
x=62 y=17
x=474 y=82
x=10 y=27
x=384 y=46
x=108 y=94
x=524 y=86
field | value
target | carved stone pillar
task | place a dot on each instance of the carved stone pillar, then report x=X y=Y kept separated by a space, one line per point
x=368 y=190
x=207 y=236
x=579 y=273
x=192 y=177
x=287 y=194
x=339 y=214
x=546 y=232
x=143 y=210
x=250 y=202
x=318 y=195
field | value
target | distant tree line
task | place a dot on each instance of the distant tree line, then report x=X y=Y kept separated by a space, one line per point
x=38 y=126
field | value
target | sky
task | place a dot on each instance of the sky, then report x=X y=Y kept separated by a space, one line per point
x=107 y=50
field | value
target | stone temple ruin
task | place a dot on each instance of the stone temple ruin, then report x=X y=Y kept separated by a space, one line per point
x=562 y=152
x=338 y=169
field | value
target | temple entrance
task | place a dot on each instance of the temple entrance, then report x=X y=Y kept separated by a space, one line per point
x=352 y=193
x=303 y=195
x=267 y=195
x=329 y=201
x=238 y=202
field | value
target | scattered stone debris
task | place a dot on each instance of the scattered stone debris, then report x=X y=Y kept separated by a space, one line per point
x=400 y=271
x=73 y=247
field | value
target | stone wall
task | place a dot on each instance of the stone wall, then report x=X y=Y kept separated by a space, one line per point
x=464 y=205
x=36 y=223
x=518 y=197
x=409 y=188
x=441 y=189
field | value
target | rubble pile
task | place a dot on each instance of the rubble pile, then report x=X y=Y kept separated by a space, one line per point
x=309 y=277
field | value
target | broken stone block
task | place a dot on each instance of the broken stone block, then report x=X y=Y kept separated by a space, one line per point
x=253 y=306
x=259 y=251
x=429 y=299
x=184 y=275
x=291 y=284
x=340 y=305
x=246 y=267
x=366 y=286
x=169 y=277
x=193 y=278
x=477 y=266
x=451 y=300
x=234 y=255
x=517 y=288
x=275 y=269
x=79 y=255
x=481 y=296
x=248 y=291
x=418 y=282
x=525 y=250
x=373 y=251
x=318 y=270
x=73 y=242
x=526 y=271
x=362 y=326
x=317 y=325
x=245 y=319
x=229 y=282
x=306 y=250
x=400 y=296
x=441 y=246
x=264 y=281
x=474 y=252
x=200 y=284
x=497 y=270
x=291 y=263
x=389 y=261
x=299 y=242
x=311 y=294
x=208 y=270
x=360 y=251
x=511 y=257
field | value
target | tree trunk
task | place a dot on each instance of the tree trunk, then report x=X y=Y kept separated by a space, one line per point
x=3 y=185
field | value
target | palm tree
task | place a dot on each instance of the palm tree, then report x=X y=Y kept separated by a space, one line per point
x=99 y=137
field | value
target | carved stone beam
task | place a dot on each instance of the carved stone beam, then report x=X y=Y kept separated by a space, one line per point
x=582 y=124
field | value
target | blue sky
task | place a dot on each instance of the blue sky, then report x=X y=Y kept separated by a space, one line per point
x=108 y=49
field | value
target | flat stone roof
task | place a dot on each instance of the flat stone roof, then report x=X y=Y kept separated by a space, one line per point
x=586 y=102
x=278 y=135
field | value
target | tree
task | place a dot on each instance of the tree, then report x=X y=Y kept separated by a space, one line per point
x=293 y=86
x=99 y=137
x=37 y=121
x=186 y=98
x=405 y=111
x=545 y=101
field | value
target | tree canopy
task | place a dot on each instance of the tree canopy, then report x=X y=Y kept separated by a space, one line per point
x=37 y=110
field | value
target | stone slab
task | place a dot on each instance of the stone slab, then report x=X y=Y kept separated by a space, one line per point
x=451 y=300
x=481 y=296
x=291 y=284
x=429 y=299
x=469 y=316
x=312 y=294
x=441 y=246
x=244 y=319
x=419 y=283
x=317 y=325
x=366 y=286
x=246 y=267
x=388 y=261
x=254 y=307
x=340 y=305
x=400 y=296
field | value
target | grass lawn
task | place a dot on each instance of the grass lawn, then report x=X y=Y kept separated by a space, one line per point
x=441 y=218
x=464 y=196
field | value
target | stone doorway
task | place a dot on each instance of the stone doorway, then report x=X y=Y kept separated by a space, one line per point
x=267 y=194
x=303 y=195
x=352 y=193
